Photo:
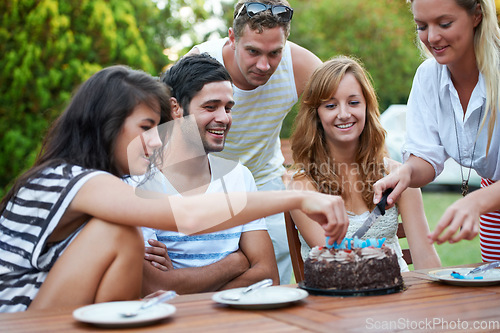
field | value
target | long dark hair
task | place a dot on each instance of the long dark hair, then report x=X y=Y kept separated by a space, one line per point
x=85 y=133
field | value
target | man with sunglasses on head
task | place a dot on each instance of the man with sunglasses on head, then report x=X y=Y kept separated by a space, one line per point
x=269 y=74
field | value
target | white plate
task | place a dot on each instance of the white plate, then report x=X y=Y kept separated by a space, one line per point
x=490 y=277
x=265 y=298
x=109 y=314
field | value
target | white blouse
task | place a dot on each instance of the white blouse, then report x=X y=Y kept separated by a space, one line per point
x=431 y=133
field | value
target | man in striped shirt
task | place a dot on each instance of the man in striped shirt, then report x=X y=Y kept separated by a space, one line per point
x=201 y=102
x=269 y=74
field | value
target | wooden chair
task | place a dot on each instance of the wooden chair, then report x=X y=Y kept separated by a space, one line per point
x=294 y=246
x=406 y=252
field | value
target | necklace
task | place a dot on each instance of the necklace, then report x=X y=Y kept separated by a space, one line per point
x=465 y=182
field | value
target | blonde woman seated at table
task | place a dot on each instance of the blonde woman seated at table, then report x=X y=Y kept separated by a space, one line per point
x=338 y=148
x=68 y=233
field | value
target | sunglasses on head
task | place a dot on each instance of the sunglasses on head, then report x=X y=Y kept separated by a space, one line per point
x=282 y=12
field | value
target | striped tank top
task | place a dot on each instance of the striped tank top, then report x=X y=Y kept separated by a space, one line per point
x=489 y=231
x=257 y=118
x=28 y=220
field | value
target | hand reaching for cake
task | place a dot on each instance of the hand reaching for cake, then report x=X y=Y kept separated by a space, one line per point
x=329 y=212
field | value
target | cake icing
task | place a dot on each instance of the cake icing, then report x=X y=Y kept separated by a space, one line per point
x=352 y=266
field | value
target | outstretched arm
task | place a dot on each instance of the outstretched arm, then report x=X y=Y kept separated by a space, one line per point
x=108 y=198
x=258 y=248
x=461 y=219
x=311 y=232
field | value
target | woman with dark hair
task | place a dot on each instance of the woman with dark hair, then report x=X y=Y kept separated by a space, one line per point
x=68 y=231
x=338 y=147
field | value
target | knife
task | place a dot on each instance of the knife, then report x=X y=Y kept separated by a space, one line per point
x=483 y=268
x=376 y=213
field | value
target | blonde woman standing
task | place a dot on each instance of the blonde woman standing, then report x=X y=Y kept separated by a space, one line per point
x=453 y=112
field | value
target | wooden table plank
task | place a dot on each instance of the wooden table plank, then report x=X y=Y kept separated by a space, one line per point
x=192 y=314
x=423 y=302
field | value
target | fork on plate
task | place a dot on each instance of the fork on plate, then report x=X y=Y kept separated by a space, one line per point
x=235 y=296
x=167 y=295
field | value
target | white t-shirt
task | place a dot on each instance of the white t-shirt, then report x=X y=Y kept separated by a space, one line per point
x=205 y=249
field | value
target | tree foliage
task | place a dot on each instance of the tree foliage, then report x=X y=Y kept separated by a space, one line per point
x=380 y=33
x=48 y=47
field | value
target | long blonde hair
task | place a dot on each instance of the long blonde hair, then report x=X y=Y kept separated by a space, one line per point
x=487 y=51
x=309 y=149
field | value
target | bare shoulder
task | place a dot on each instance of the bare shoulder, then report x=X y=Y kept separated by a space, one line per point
x=301 y=53
x=300 y=182
x=105 y=180
x=304 y=64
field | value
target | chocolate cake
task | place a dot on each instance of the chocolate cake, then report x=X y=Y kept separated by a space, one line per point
x=356 y=269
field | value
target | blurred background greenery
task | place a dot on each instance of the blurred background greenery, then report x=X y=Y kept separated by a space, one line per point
x=49 y=47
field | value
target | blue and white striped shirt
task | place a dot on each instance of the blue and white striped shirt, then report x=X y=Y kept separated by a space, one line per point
x=205 y=249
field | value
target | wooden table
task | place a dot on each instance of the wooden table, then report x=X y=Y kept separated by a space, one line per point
x=424 y=305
